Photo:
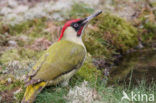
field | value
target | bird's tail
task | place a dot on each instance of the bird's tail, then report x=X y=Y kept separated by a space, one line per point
x=32 y=91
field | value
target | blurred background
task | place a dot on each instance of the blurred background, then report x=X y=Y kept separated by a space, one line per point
x=121 y=45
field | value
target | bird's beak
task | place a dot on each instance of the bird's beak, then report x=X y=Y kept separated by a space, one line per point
x=87 y=19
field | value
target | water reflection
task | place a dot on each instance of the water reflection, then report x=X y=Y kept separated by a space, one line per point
x=134 y=67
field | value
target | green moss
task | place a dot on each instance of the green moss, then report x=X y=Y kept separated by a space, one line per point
x=96 y=48
x=20 y=95
x=3 y=39
x=10 y=88
x=148 y=31
x=32 y=28
x=36 y=24
x=89 y=72
x=147 y=26
x=4 y=85
x=83 y=10
x=19 y=54
x=109 y=35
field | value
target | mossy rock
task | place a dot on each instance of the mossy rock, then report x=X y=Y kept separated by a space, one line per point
x=88 y=71
x=110 y=34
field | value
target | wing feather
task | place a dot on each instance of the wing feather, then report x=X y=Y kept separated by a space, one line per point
x=60 y=58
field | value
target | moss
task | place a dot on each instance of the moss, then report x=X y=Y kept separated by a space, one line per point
x=96 y=48
x=88 y=72
x=25 y=26
x=20 y=95
x=3 y=40
x=10 y=89
x=5 y=86
x=146 y=24
x=31 y=28
x=148 y=30
x=110 y=34
x=19 y=54
x=83 y=10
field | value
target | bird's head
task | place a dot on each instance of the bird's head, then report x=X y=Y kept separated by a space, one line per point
x=75 y=27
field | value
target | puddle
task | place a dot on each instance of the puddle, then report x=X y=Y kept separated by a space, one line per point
x=134 y=67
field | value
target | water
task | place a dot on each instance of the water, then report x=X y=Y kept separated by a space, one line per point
x=134 y=67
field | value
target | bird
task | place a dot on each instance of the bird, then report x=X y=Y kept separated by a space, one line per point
x=60 y=61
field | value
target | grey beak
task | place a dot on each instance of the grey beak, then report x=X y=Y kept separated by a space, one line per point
x=87 y=19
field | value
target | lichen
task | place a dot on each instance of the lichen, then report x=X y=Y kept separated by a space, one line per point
x=82 y=94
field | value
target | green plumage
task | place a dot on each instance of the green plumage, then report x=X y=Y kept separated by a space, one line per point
x=60 y=58
x=58 y=63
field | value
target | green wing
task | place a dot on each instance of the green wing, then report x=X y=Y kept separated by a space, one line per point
x=60 y=58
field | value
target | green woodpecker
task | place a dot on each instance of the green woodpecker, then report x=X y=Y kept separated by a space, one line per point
x=61 y=61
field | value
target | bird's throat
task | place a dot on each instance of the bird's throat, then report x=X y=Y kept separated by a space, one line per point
x=71 y=35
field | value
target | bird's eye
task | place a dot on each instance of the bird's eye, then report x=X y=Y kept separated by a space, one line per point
x=76 y=25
